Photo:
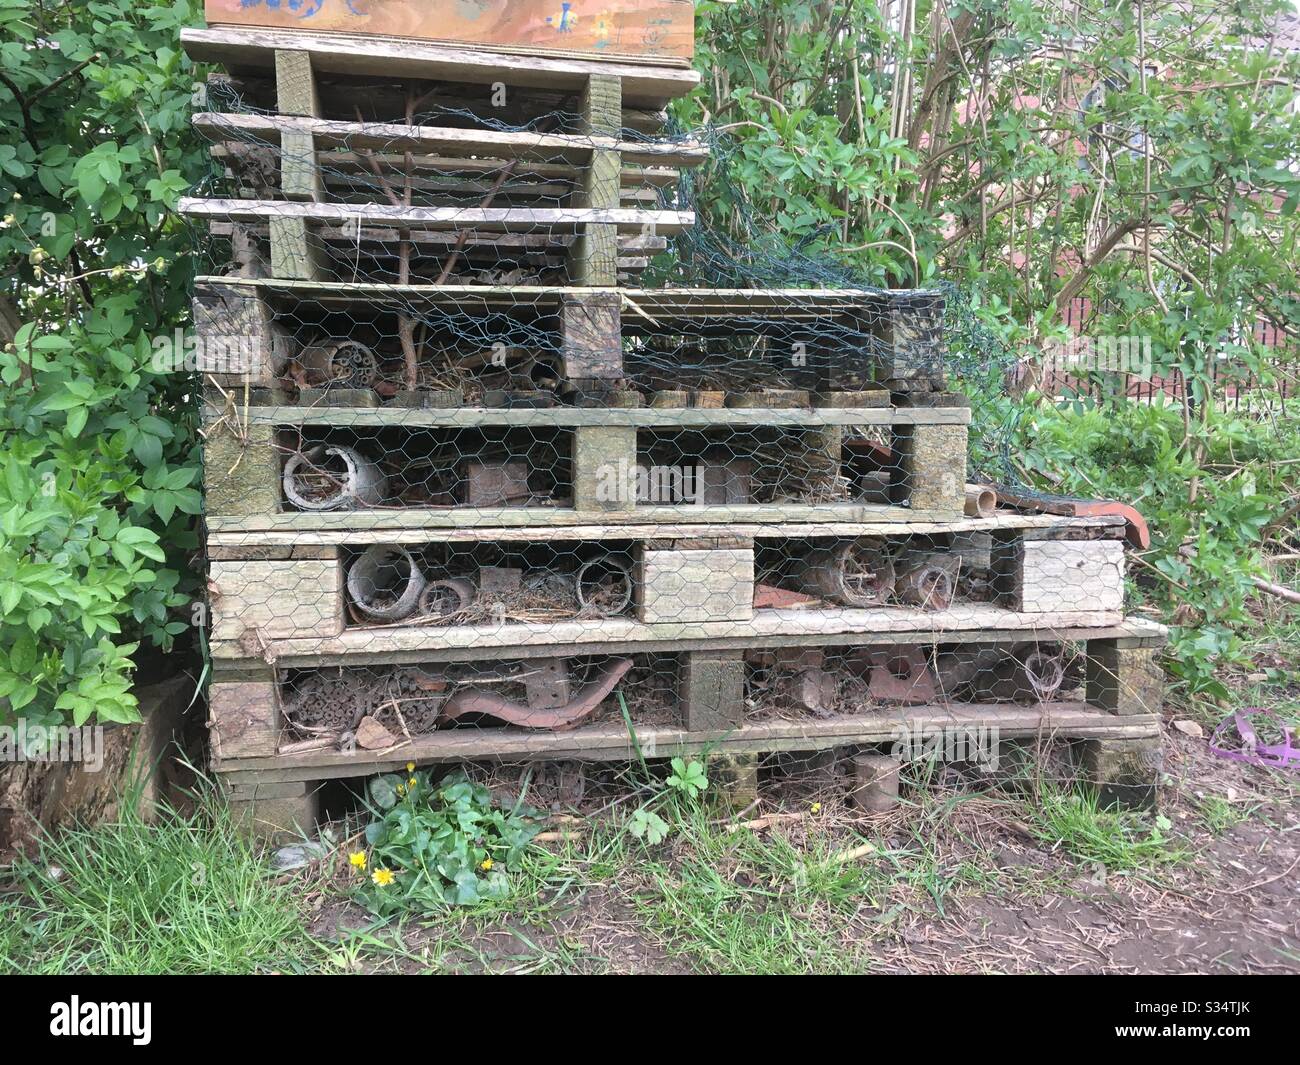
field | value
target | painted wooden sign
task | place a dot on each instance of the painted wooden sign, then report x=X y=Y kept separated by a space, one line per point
x=658 y=29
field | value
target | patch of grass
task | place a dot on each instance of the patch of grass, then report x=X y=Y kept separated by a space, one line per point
x=736 y=901
x=1121 y=840
x=1218 y=814
x=177 y=895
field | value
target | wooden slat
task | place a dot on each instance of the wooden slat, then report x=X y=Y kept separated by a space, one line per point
x=661 y=304
x=643 y=85
x=503 y=219
x=659 y=29
x=631 y=531
x=612 y=742
x=396 y=138
x=637 y=417
x=360 y=645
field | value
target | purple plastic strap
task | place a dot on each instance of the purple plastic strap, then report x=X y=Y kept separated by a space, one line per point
x=1283 y=755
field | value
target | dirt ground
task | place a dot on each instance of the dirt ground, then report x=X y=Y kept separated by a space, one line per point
x=1012 y=904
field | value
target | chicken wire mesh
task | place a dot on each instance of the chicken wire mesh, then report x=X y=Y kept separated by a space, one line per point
x=456 y=350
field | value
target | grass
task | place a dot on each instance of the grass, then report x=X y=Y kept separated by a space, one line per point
x=1121 y=840
x=178 y=895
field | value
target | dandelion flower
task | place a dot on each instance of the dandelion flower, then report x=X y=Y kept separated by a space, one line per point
x=410 y=767
x=486 y=864
x=816 y=807
x=382 y=877
x=411 y=783
x=401 y=789
x=357 y=859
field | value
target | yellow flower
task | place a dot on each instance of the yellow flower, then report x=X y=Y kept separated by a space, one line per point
x=358 y=859
x=401 y=789
x=816 y=807
x=410 y=767
x=485 y=864
x=382 y=877
x=411 y=783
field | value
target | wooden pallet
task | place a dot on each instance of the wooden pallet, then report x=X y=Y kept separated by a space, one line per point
x=853 y=340
x=1117 y=724
x=289 y=604
x=244 y=453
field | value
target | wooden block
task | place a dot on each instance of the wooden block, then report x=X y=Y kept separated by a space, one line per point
x=277 y=812
x=1123 y=680
x=874 y=782
x=244 y=718
x=236 y=337
x=591 y=336
x=929 y=467
x=295 y=256
x=280 y=599
x=1124 y=772
x=910 y=335
x=300 y=177
x=604 y=467
x=241 y=473
x=693 y=586
x=1049 y=575
x=595 y=252
x=656 y=29
x=711 y=690
x=295 y=84
x=733 y=779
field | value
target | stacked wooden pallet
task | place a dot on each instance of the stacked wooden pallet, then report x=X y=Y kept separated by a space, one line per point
x=411 y=562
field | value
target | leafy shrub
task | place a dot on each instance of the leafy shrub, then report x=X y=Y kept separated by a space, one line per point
x=440 y=844
x=100 y=478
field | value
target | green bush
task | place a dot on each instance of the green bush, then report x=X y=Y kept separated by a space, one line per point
x=100 y=476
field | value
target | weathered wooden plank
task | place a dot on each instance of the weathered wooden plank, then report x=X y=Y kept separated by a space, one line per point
x=395 y=138
x=643 y=417
x=612 y=742
x=661 y=303
x=591 y=336
x=643 y=85
x=1125 y=771
x=690 y=586
x=660 y=29
x=220 y=534
x=506 y=219
x=250 y=519
x=241 y=470
x=237 y=340
x=291 y=599
x=603 y=455
x=841 y=625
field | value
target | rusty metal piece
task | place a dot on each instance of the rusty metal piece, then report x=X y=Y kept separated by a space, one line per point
x=478 y=701
x=898 y=674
